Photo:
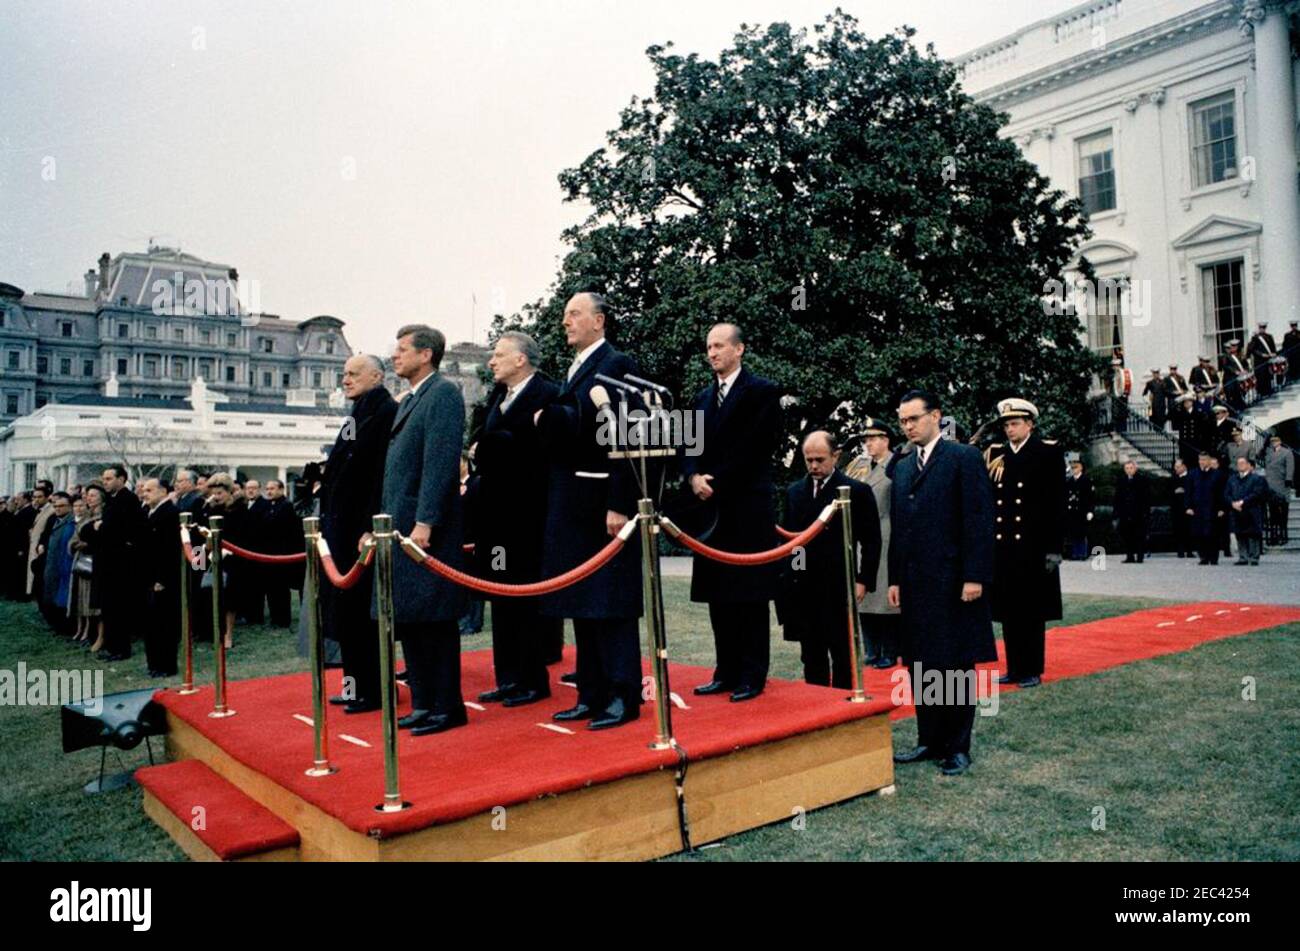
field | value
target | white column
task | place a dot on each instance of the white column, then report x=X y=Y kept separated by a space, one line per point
x=1275 y=164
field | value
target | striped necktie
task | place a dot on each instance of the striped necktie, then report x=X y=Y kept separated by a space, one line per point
x=722 y=392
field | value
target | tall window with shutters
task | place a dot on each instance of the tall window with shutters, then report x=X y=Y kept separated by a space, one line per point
x=1214 y=139
x=1097 y=172
x=1223 y=303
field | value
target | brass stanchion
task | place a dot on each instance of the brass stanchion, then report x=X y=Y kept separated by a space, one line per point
x=653 y=595
x=187 y=623
x=384 y=537
x=316 y=647
x=844 y=505
x=219 y=707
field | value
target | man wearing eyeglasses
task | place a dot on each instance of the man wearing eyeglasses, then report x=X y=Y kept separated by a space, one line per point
x=940 y=565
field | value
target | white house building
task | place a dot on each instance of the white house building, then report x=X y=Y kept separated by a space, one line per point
x=70 y=442
x=1175 y=122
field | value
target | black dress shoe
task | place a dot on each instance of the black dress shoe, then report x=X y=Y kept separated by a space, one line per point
x=501 y=693
x=954 y=765
x=439 y=723
x=616 y=714
x=578 y=712
x=413 y=718
x=883 y=663
x=712 y=687
x=361 y=705
x=741 y=694
x=1030 y=682
x=570 y=678
x=915 y=755
x=525 y=697
x=338 y=700
x=1006 y=679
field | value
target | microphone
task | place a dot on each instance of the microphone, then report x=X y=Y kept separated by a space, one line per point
x=646 y=383
x=617 y=384
x=600 y=397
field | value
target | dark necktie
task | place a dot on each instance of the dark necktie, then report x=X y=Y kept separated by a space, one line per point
x=817 y=487
x=722 y=392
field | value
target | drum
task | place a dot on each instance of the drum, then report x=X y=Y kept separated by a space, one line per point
x=1246 y=382
x=1121 y=382
x=1279 y=366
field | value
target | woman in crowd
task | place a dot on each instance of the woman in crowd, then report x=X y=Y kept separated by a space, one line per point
x=89 y=513
x=223 y=501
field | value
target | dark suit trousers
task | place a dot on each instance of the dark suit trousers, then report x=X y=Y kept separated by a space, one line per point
x=551 y=632
x=880 y=631
x=1025 y=641
x=945 y=726
x=162 y=632
x=277 y=602
x=358 y=636
x=432 y=652
x=519 y=643
x=824 y=648
x=742 y=641
x=609 y=661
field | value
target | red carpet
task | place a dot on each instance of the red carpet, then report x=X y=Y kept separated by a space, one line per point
x=510 y=756
x=1099 y=645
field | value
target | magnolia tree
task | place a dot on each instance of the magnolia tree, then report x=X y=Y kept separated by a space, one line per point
x=852 y=209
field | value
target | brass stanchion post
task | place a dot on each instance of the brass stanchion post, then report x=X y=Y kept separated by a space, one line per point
x=187 y=623
x=384 y=539
x=219 y=707
x=316 y=649
x=653 y=596
x=844 y=506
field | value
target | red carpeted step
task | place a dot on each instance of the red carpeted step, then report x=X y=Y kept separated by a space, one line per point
x=222 y=817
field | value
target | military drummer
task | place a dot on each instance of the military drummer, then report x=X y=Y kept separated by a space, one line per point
x=1028 y=475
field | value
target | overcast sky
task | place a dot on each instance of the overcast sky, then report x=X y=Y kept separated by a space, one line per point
x=381 y=162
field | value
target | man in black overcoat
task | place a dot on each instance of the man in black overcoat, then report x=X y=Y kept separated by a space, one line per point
x=940 y=567
x=160 y=556
x=590 y=499
x=1205 y=508
x=510 y=519
x=814 y=604
x=351 y=484
x=731 y=469
x=1133 y=512
x=121 y=589
x=1078 y=510
x=282 y=535
x=1028 y=477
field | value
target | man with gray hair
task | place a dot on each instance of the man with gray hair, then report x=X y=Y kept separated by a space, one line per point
x=510 y=519
x=351 y=484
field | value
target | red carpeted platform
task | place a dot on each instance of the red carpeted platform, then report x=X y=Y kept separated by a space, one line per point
x=503 y=757
x=1099 y=645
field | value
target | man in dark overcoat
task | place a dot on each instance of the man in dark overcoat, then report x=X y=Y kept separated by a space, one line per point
x=422 y=494
x=815 y=606
x=1246 y=493
x=1132 y=512
x=160 y=558
x=940 y=567
x=510 y=518
x=732 y=470
x=1205 y=510
x=350 y=496
x=590 y=499
x=1028 y=477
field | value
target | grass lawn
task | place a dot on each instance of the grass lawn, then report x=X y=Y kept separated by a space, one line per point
x=1182 y=766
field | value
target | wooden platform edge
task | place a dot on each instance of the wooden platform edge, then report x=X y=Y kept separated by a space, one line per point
x=630 y=819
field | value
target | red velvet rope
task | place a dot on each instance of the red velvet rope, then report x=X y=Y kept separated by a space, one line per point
x=785 y=532
x=501 y=589
x=265 y=559
x=349 y=580
x=747 y=558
